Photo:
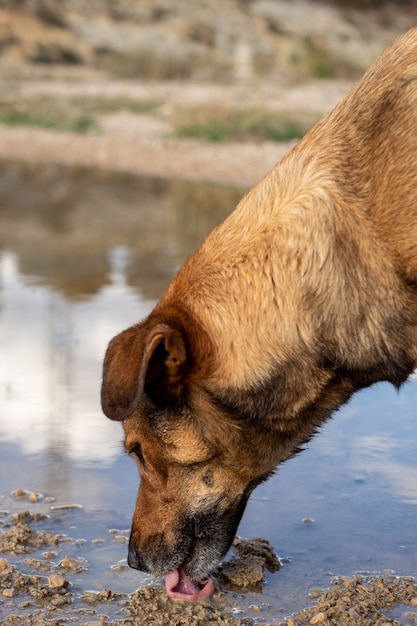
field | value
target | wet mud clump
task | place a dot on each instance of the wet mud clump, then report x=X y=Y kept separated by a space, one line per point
x=247 y=567
x=363 y=600
x=151 y=606
x=20 y=538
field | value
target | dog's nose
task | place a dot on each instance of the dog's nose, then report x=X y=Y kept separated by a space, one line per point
x=133 y=558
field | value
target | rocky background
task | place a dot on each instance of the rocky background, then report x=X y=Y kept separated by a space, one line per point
x=203 y=39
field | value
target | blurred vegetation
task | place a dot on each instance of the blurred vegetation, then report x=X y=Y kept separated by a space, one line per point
x=81 y=115
x=148 y=64
x=217 y=125
x=24 y=114
x=78 y=115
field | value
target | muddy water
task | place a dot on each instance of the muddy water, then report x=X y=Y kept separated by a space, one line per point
x=83 y=255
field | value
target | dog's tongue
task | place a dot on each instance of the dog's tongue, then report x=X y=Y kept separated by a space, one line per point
x=180 y=587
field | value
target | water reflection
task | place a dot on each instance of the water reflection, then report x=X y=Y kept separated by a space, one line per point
x=82 y=256
x=64 y=223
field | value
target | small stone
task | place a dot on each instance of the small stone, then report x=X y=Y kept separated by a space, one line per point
x=119 y=567
x=55 y=580
x=91 y=597
x=74 y=563
x=19 y=493
x=80 y=542
x=308 y=520
x=49 y=555
x=8 y=593
x=317 y=619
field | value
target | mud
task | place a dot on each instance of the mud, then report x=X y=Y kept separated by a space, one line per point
x=41 y=570
x=247 y=567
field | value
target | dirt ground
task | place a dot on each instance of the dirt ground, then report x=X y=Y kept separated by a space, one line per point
x=143 y=143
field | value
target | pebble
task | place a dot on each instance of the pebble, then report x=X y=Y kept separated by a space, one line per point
x=49 y=555
x=19 y=493
x=317 y=619
x=8 y=593
x=74 y=563
x=55 y=580
x=119 y=567
x=90 y=596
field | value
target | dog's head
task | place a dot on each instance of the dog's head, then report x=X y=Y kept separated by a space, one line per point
x=197 y=463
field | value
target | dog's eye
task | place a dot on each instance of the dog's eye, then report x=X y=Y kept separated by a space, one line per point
x=136 y=451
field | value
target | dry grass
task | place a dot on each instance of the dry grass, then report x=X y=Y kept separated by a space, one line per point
x=220 y=125
x=207 y=123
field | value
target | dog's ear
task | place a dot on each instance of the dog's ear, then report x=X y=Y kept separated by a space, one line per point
x=142 y=359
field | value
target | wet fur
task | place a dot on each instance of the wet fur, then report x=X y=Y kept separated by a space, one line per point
x=306 y=293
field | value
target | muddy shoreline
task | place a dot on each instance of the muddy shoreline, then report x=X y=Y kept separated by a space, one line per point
x=41 y=566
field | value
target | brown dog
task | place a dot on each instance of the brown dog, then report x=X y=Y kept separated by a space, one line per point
x=306 y=293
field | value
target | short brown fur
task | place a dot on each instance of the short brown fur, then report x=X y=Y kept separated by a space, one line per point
x=306 y=293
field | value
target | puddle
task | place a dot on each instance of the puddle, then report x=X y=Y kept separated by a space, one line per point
x=83 y=255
